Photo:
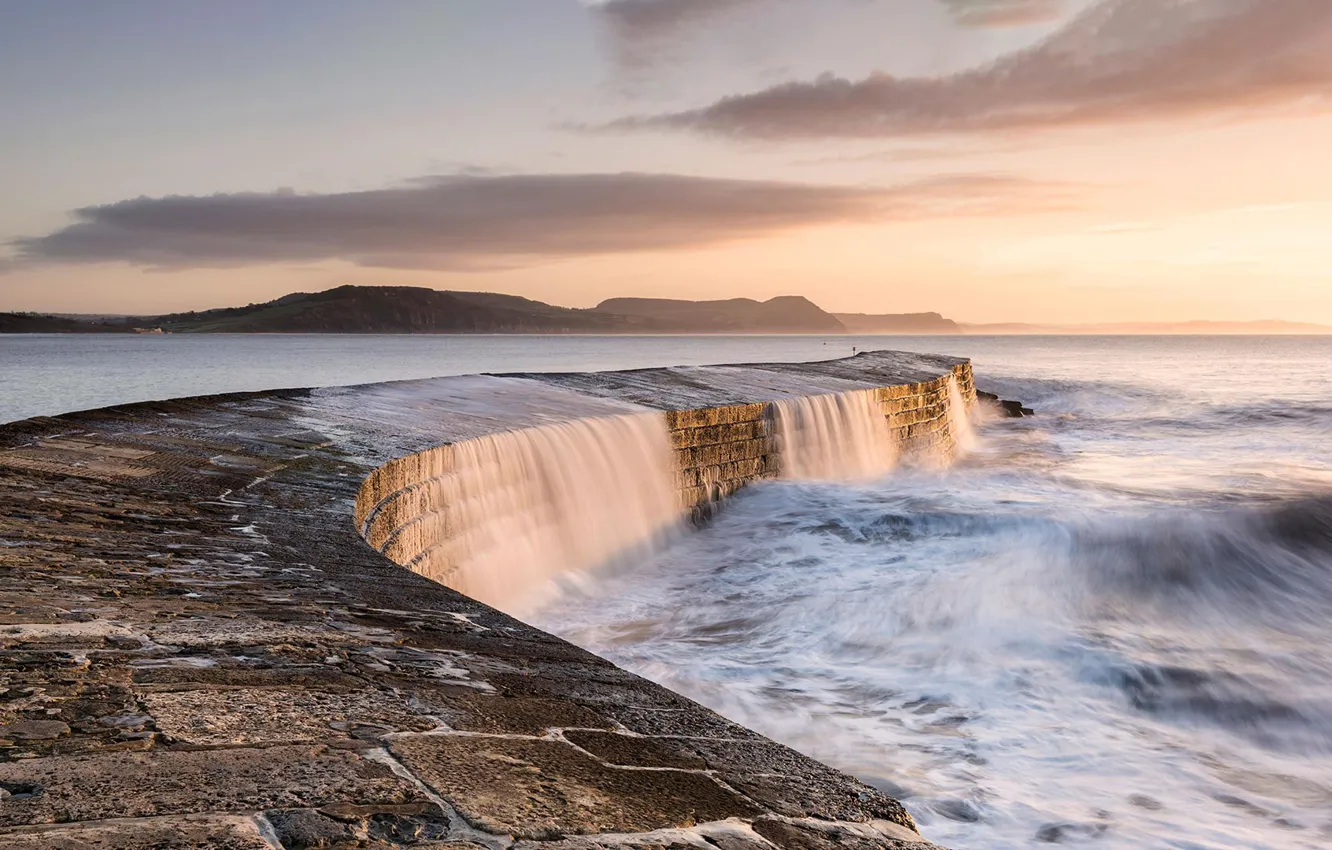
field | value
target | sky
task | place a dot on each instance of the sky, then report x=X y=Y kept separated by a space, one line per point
x=993 y=160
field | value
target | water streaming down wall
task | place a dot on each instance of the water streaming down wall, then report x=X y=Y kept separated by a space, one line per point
x=498 y=516
x=513 y=510
x=961 y=429
x=840 y=437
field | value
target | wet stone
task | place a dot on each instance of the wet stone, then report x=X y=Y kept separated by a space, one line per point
x=632 y=750
x=275 y=715
x=301 y=829
x=519 y=715
x=678 y=723
x=547 y=789
x=144 y=784
x=791 y=784
x=189 y=832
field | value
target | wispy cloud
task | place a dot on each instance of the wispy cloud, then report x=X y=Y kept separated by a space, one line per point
x=1003 y=13
x=643 y=27
x=474 y=222
x=1123 y=60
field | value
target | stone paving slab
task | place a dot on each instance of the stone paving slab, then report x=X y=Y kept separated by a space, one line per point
x=189 y=832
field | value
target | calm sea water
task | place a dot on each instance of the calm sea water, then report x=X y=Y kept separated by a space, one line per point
x=46 y=374
x=1109 y=625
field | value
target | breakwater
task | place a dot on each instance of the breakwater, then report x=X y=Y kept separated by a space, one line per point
x=497 y=516
x=199 y=649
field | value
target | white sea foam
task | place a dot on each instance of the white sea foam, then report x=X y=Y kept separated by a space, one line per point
x=1107 y=627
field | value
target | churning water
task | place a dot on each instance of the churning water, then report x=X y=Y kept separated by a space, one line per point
x=1108 y=625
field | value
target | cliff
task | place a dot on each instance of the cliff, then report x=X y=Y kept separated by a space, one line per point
x=785 y=314
x=898 y=323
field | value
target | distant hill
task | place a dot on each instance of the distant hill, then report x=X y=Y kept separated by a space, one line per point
x=389 y=309
x=408 y=309
x=418 y=310
x=898 y=323
x=785 y=314
x=34 y=323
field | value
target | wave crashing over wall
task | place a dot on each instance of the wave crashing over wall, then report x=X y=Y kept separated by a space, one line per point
x=533 y=504
x=500 y=517
x=959 y=420
x=840 y=437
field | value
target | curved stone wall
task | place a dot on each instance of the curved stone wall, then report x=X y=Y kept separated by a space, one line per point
x=404 y=510
x=209 y=655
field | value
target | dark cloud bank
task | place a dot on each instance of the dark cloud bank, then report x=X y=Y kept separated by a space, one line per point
x=1122 y=60
x=476 y=222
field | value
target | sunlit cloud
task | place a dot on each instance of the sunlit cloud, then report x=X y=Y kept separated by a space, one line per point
x=487 y=222
x=1123 y=60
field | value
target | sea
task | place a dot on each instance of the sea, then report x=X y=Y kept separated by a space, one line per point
x=1107 y=625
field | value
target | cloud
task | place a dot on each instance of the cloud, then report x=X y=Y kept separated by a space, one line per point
x=641 y=28
x=475 y=222
x=1122 y=60
x=1003 y=13
x=640 y=20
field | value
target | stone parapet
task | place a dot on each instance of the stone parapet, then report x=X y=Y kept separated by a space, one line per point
x=717 y=451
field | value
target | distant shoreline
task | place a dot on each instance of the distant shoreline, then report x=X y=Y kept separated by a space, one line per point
x=406 y=310
x=1053 y=334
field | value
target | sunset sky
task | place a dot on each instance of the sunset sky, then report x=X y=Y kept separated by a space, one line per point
x=994 y=160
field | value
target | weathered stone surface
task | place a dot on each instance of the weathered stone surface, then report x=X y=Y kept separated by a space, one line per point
x=790 y=784
x=519 y=715
x=275 y=715
x=677 y=722
x=34 y=730
x=128 y=785
x=190 y=832
x=546 y=789
x=299 y=829
x=421 y=825
x=634 y=750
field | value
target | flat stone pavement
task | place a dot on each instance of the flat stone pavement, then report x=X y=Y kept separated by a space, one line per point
x=198 y=650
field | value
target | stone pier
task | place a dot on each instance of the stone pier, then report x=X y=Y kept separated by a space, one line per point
x=198 y=649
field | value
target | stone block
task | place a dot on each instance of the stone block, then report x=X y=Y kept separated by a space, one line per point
x=540 y=789
x=189 y=832
x=715 y=434
x=624 y=750
x=519 y=715
x=792 y=784
x=276 y=715
x=165 y=782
